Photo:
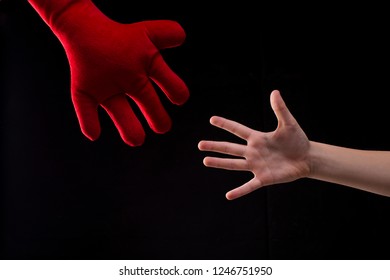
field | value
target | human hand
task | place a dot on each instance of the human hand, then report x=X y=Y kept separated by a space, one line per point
x=273 y=157
x=110 y=62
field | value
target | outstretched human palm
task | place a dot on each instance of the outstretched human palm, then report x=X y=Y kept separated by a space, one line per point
x=286 y=154
x=273 y=157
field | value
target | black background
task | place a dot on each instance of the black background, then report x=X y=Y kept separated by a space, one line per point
x=65 y=197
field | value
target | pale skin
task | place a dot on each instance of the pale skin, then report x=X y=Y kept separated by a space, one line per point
x=286 y=154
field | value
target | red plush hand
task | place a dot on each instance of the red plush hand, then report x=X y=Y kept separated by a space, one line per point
x=110 y=61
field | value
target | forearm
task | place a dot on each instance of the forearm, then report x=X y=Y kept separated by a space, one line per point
x=360 y=169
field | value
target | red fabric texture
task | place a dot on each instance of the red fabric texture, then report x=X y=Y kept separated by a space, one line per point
x=110 y=61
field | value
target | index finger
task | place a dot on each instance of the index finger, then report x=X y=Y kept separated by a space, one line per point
x=168 y=81
x=233 y=127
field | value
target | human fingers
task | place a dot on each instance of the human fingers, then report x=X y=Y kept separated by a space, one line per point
x=280 y=109
x=222 y=147
x=226 y=163
x=246 y=188
x=233 y=127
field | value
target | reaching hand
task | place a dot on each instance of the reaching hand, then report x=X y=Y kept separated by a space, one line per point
x=110 y=61
x=273 y=157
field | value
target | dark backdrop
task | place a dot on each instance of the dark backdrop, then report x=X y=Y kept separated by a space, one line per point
x=65 y=197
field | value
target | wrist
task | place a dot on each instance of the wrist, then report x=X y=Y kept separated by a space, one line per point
x=316 y=159
x=54 y=11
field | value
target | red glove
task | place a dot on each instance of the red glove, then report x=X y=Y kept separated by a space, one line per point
x=110 y=60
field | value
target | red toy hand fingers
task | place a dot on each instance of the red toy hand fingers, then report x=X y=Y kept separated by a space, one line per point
x=155 y=114
x=165 y=33
x=173 y=87
x=86 y=110
x=129 y=127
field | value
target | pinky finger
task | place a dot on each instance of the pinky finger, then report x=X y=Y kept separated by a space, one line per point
x=246 y=188
x=226 y=163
